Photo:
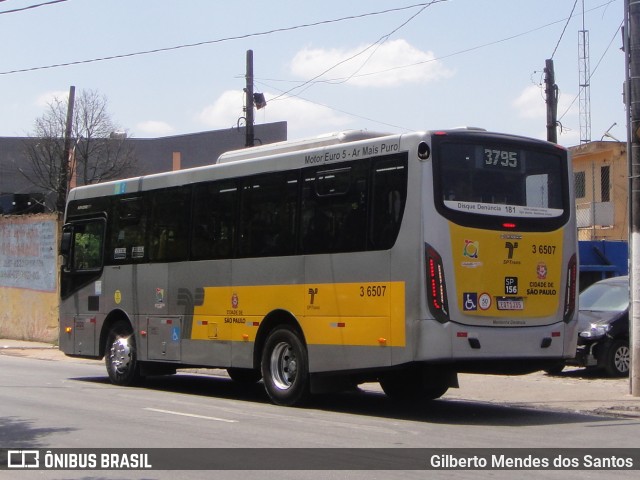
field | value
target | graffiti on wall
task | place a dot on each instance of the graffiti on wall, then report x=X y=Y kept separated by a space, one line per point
x=28 y=255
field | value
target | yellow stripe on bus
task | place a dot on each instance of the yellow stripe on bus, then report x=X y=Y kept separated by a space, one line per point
x=364 y=314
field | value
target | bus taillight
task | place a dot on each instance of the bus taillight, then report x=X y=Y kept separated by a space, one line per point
x=570 y=289
x=436 y=286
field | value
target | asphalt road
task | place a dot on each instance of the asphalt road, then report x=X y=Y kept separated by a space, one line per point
x=50 y=404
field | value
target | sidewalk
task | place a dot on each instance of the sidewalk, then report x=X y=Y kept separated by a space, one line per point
x=575 y=390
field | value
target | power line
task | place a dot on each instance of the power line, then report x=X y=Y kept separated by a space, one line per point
x=376 y=44
x=593 y=71
x=434 y=60
x=564 y=29
x=340 y=110
x=210 y=42
x=453 y=54
x=22 y=9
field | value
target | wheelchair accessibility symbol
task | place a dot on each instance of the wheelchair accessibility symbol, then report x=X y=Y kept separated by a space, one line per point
x=175 y=334
x=470 y=301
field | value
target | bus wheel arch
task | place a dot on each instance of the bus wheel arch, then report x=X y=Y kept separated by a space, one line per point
x=273 y=320
x=283 y=359
x=112 y=318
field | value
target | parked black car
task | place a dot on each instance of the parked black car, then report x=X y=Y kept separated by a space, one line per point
x=603 y=325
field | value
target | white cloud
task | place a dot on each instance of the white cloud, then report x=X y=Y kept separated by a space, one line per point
x=225 y=111
x=303 y=118
x=393 y=63
x=47 y=98
x=531 y=104
x=154 y=128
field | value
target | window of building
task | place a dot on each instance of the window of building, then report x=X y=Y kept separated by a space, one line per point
x=605 y=188
x=580 y=184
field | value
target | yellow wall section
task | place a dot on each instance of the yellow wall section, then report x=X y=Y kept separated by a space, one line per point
x=329 y=313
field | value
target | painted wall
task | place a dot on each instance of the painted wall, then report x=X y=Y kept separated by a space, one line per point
x=29 y=277
x=590 y=160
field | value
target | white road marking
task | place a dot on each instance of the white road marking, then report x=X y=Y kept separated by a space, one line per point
x=192 y=415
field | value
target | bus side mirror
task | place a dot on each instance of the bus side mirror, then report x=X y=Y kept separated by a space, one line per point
x=65 y=245
x=65 y=242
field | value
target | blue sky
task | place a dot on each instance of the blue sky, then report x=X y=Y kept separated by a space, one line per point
x=455 y=63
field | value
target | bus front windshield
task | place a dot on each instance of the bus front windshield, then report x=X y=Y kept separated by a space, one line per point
x=507 y=180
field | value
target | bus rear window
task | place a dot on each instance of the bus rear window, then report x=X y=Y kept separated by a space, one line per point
x=504 y=180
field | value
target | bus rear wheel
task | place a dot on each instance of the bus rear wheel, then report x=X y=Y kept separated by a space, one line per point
x=120 y=355
x=285 y=367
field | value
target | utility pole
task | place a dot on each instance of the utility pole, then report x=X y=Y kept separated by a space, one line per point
x=63 y=184
x=632 y=97
x=249 y=100
x=551 y=99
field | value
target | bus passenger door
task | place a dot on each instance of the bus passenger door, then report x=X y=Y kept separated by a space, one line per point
x=82 y=249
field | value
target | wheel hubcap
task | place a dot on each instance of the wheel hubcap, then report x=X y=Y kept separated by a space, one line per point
x=621 y=359
x=120 y=355
x=284 y=366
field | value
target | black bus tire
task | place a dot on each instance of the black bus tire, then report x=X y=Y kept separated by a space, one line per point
x=285 y=367
x=120 y=355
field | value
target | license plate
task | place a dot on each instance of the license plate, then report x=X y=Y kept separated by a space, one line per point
x=510 y=303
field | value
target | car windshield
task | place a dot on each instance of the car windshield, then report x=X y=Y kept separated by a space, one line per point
x=605 y=298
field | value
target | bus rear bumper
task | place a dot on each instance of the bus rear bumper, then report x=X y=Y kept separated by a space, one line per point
x=497 y=349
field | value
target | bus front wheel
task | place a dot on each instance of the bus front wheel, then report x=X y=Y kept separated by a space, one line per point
x=285 y=367
x=120 y=355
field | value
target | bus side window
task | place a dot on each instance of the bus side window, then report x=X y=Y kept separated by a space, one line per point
x=268 y=215
x=168 y=224
x=214 y=220
x=334 y=210
x=86 y=247
x=389 y=197
x=127 y=226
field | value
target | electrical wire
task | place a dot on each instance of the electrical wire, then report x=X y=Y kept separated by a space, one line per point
x=453 y=54
x=592 y=72
x=210 y=42
x=376 y=44
x=564 y=29
x=22 y=9
x=355 y=115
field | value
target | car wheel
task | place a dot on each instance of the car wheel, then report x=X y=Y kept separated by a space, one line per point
x=617 y=359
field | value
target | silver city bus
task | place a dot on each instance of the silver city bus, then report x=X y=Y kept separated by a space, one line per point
x=318 y=265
